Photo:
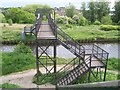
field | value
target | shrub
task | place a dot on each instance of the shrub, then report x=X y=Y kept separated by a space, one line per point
x=19 y=60
x=109 y=27
x=61 y=20
x=22 y=48
x=106 y=20
x=97 y=22
x=83 y=21
x=113 y=64
x=71 y=21
x=76 y=18
x=119 y=22
x=68 y=25
x=10 y=22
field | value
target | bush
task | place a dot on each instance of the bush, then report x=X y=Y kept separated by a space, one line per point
x=109 y=27
x=62 y=20
x=97 y=22
x=71 y=21
x=22 y=48
x=106 y=20
x=10 y=22
x=19 y=60
x=83 y=21
x=76 y=18
x=119 y=22
x=68 y=25
x=113 y=64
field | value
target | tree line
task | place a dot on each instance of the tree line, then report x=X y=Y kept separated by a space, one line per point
x=91 y=12
x=98 y=10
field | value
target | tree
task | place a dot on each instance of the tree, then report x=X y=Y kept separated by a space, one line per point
x=83 y=9
x=102 y=9
x=18 y=15
x=10 y=22
x=106 y=20
x=2 y=18
x=92 y=12
x=82 y=21
x=117 y=12
x=32 y=7
x=70 y=10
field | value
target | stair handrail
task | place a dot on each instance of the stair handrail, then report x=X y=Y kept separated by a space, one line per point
x=66 y=36
x=67 y=67
x=103 y=54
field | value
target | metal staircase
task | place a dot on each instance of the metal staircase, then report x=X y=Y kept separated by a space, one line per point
x=79 y=66
x=74 y=74
x=70 y=74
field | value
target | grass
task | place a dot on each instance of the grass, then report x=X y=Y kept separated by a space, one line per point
x=89 y=32
x=19 y=60
x=109 y=77
x=7 y=85
x=12 y=33
x=49 y=78
x=113 y=64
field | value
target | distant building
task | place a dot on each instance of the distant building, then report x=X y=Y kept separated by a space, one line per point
x=60 y=11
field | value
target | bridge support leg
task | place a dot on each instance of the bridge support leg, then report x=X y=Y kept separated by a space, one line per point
x=89 y=75
x=37 y=62
x=105 y=73
x=55 y=56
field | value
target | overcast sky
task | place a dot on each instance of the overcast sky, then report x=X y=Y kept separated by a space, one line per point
x=52 y=3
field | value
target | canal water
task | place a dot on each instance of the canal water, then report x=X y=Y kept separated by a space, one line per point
x=62 y=52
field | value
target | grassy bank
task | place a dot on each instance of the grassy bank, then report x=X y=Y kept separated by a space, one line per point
x=7 y=85
x=113 y=64
x=11 y=33
x=19 y=60
x=90 y=32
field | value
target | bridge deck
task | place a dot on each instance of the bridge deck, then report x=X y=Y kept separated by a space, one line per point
x=94 y=62
x=45 y=32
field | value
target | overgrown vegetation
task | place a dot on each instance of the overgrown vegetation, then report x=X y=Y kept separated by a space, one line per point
x=109 y=27
x=90 y=32
x=19 y=60
x=49 y=78
x=8 y=85
x=12 y=33
x=113 y=64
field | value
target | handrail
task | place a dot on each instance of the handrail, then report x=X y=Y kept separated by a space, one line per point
x=66 y=68
x=66 y=37
x=100 y=54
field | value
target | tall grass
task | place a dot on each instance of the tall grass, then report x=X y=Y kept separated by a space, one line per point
x=19 y=60
x=90 y=32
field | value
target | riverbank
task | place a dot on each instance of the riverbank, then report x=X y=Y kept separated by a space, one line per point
x=8 y=42
x=82 y=34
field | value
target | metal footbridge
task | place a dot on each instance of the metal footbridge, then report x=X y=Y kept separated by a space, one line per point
x=85 y=61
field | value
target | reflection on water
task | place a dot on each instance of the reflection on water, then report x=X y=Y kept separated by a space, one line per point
x=112 y=49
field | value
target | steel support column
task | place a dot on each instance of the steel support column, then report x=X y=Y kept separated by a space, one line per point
x=37 y=62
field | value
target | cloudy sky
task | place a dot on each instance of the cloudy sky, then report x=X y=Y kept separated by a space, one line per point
x=52 y=3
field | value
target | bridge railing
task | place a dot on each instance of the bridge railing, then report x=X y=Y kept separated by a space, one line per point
x=99 y=53
x=66 y=68
x=66 y=39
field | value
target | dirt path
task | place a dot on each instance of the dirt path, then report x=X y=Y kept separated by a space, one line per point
x=24 y=79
